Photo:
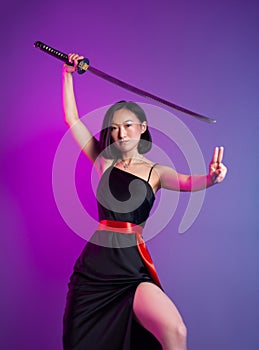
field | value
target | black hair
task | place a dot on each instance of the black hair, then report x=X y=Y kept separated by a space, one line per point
x=106 y=143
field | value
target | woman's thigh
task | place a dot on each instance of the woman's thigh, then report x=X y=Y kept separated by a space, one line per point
x=156 y=312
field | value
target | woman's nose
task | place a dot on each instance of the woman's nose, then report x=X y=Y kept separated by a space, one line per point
x=122 y=132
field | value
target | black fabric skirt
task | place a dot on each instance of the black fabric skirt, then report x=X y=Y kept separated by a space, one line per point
x=99 y=307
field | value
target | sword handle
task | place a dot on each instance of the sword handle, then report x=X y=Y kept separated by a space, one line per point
x=82 y=65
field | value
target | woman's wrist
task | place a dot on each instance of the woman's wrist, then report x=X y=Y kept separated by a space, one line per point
x=68 y=70
x=210 y=181
x=67 y=77
x=65 y=72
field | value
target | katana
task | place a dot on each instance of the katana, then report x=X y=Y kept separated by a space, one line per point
x=84 y=65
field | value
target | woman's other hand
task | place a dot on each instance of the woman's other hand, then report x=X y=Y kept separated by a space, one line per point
x=217 y=170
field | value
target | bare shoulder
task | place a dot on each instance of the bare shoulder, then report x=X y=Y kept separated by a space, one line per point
x=157 y=168
x=101 y=164
x=168 y=177
x=164 y=170
x=147 y=162
x=147 y=165
x=153 y=174
x=107 y=163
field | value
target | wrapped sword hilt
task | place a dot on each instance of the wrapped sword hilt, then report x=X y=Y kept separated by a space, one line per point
x=82 y=65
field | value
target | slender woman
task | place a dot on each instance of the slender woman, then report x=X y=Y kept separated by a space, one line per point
x=115 y=300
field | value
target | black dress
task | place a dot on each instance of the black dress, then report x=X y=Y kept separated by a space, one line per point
x=99 y=308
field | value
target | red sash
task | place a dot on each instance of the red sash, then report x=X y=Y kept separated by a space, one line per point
x=128 y=227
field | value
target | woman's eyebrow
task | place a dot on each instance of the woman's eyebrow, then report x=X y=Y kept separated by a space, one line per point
x=126 y=121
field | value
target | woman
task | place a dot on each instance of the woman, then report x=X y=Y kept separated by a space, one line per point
x=115 y=300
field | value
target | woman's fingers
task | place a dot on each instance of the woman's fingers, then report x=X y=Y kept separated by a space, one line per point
x=215 y=155
x=219 y=174
x=220 y=154
x=72 y=58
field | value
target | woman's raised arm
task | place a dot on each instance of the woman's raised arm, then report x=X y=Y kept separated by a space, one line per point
x=83 y=136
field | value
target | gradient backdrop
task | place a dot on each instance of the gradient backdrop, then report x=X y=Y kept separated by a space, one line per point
x=200 y=54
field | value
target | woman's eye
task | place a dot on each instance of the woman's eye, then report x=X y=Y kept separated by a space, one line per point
x=128 y=125
x=113 y=128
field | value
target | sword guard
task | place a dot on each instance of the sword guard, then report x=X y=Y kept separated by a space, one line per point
x=82 y=65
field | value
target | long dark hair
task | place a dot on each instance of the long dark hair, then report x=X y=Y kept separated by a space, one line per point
x=106 y=143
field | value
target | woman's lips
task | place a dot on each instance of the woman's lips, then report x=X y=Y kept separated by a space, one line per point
x=123 y=142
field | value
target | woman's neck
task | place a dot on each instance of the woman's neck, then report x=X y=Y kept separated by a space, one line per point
x=127 y=156
x=130 y=158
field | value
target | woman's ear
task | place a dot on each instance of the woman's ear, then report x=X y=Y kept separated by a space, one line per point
x=143 y=127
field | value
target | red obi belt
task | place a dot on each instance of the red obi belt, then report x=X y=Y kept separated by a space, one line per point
x=128 y=227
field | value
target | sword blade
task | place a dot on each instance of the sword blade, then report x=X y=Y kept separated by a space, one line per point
x=147 y=94
x=83 y=66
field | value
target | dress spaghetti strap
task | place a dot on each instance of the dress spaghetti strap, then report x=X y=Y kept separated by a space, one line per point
x=151 y=171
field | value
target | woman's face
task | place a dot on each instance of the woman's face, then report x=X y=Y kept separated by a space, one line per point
x=126 y=130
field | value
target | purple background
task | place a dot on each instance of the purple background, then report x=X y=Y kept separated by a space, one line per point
x=200 y=54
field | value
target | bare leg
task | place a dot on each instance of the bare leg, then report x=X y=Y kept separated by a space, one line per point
x=158 y=314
